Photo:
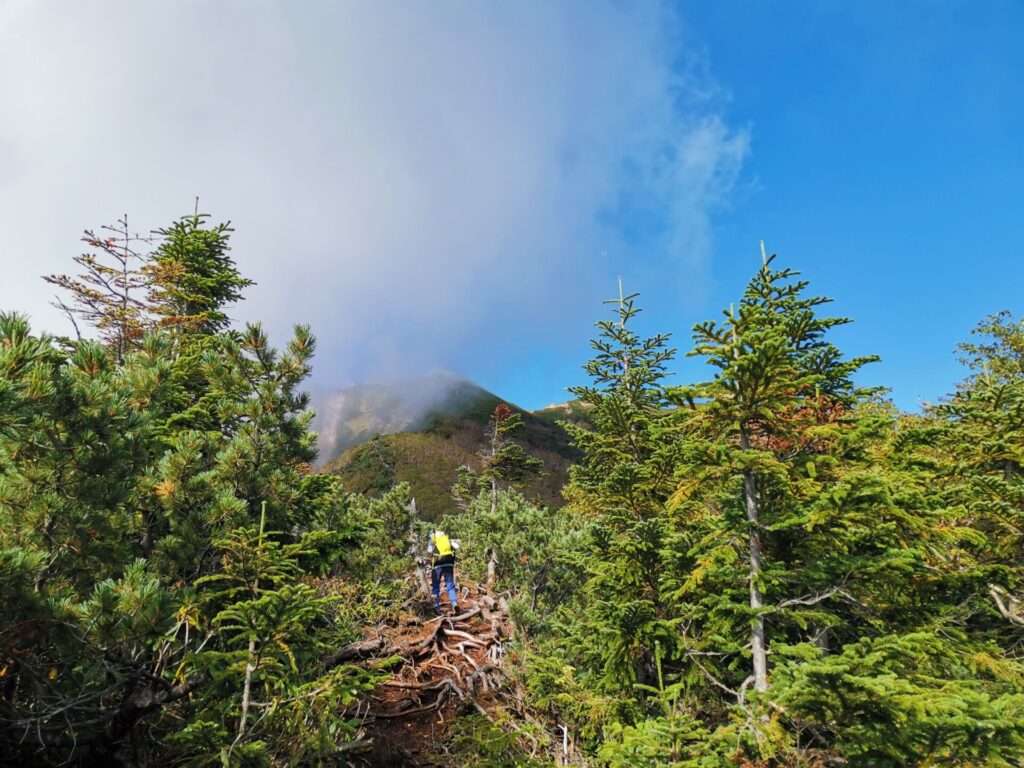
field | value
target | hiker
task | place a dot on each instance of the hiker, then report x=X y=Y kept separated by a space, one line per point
x=442 y=551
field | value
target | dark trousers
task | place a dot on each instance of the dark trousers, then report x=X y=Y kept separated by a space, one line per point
x=446 y=572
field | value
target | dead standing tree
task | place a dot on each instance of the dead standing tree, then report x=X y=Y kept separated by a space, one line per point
x=413 y=552
x=502 y=460
x=105 y=294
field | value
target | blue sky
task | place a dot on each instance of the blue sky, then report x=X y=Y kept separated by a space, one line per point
x=886 y=162
x=458 y=186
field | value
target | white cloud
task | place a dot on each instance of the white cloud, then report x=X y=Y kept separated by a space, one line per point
x=402 y=177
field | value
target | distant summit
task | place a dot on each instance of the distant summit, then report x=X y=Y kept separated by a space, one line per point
x=421 y=429
x=355 y=414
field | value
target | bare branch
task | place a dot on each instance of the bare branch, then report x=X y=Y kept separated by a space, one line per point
x=1009 y=606
x=819 y=597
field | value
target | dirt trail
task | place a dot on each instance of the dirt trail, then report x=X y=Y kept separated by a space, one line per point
x=448 y=665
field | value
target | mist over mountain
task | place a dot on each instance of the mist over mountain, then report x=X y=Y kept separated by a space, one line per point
x=357 y=413
x=419 y=430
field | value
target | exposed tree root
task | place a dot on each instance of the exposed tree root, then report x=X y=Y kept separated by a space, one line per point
x=446 y=665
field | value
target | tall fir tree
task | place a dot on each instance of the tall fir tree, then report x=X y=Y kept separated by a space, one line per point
x=804 y=546
x=192 y=277
x=621 y=483
x=778 y=380
x=502 y=460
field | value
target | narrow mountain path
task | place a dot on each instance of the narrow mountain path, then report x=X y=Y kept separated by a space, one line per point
x=446 y=665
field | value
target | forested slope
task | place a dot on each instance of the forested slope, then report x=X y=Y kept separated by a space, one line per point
x=428 y=458
x=772 y=567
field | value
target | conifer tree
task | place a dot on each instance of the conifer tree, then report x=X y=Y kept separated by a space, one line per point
x=621 y=483
x=842 y=547
x=191 y=277
x=502 y=460
x=983 y=439
x=124 y=290
x=778 y=379
x=147 y=591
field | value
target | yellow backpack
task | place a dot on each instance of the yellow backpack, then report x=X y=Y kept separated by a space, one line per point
x=442 y=543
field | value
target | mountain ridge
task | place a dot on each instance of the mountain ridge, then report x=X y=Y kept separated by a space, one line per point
x=420 y=430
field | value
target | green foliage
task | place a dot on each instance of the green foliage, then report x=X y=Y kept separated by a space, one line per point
x=983 y=442
x=532 y=548
x=872 y=559
x=191 y=277
x=158 y=522
x=376 y=571
x=622 y=482
x=771 y=480
x=771 y=569
x=374 y=463
x=907 y=699
x=265 y=660
x=501 y=460
x=478 y=743
x=996 y=349
x=183 y=286
x=677 y=740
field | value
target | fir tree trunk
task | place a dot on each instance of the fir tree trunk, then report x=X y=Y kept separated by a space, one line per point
x=250 y=665
x=757 y=641
x=821 y=640
x=48 y=528
x=492 y=570
x=494 y=495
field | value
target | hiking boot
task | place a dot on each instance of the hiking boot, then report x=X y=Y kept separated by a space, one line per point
x=455 y=610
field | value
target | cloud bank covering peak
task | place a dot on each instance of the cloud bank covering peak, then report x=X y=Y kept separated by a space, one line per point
x=425 y=185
